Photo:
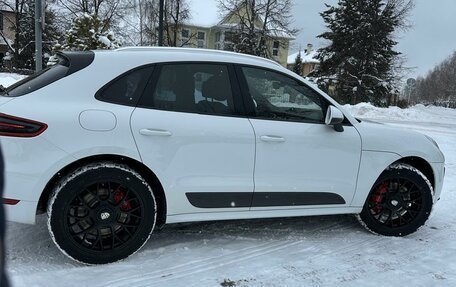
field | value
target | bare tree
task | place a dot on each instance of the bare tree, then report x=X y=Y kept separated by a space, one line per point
x=260 y=21
x=140 y=24
x=176 y=13
x=108 y=11
x=439 y=85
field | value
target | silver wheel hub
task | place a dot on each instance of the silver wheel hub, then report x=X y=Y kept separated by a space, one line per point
x=105 y=215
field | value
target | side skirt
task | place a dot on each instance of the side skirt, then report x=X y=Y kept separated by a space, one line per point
x=277 y=213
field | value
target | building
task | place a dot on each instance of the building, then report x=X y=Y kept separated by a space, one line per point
x=309 y=63
x=210 y=32
x=7 y=32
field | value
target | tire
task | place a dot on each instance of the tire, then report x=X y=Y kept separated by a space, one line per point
x=399 y=203
x=101 y=213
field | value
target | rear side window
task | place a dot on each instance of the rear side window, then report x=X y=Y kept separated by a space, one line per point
x=193 y=88
x=126 y=89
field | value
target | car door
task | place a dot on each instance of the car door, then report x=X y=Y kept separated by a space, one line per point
x=300 y=162
x=189 y=132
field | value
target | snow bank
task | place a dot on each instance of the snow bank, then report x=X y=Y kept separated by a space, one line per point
x=7 y=79
x=416 y=113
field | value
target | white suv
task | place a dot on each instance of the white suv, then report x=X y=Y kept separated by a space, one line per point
x=115 y=144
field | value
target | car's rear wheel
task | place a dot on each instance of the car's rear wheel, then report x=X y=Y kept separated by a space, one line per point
x=101 y=213
x=399 y=203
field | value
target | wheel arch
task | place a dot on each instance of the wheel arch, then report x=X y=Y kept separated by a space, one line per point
x=420 y=164
x=148 y=175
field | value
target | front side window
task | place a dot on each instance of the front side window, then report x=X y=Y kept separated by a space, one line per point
x=278 y=97
x=194 y=88
x=128 y=88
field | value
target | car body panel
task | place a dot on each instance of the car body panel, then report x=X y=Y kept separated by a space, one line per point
x=380 y=137
x=202 y=153
x=294 y=166
x=186 y=160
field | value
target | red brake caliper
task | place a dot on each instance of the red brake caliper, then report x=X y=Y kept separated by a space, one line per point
x=378 y=196
x=118 y=196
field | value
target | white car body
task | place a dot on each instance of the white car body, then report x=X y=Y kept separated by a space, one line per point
x=194 y=153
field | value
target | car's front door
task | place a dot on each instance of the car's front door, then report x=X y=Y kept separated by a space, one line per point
x=188 y=131
x=300 y=162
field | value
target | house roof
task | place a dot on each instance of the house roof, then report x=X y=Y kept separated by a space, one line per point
x=306 y=57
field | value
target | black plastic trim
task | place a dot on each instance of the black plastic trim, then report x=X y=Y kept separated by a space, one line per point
x=265 y=199
x=77 y=61
x=219 y=199
x=261 y=199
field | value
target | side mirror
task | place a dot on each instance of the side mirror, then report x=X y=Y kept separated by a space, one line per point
x=334 y=117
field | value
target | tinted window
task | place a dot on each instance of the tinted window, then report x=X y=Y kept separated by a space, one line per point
x=197 y=88
x=279 y=97
x=128 y=88
x=37 y=81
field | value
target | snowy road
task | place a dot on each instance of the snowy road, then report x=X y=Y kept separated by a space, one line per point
x=312 y=251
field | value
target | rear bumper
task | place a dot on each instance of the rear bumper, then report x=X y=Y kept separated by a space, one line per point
x=29 y=165
x=23 y=212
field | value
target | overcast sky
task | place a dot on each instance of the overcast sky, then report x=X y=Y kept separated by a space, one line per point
x=431 y=39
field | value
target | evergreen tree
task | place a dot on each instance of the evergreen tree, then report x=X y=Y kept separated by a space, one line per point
x=24 y=45
x=297 y=67
x=359 y=61
x=87 y=33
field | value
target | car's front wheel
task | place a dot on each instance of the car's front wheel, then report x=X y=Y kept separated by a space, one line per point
x=101 y=213
x=399 y=203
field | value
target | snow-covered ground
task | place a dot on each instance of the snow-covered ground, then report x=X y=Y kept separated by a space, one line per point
x=312 y=251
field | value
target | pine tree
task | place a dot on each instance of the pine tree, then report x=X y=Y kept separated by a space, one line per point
x=24 y=46
x=297 y=67
x=360 y=59
x=87 y=33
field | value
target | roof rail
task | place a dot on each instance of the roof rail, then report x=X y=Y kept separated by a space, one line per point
x=191 y=50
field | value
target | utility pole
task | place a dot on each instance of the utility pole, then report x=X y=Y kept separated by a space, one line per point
x=160 y=23
x=38 y=36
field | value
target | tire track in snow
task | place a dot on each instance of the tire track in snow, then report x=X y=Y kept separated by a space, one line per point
x=215 y=262
x=210 y=265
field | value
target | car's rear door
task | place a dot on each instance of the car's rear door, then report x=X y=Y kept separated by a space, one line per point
x=190 y=133
x=300 y=162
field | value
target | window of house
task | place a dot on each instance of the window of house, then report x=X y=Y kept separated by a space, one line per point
x=185 y=37
x=194 y=88
x=126 y=89
x=275 y=48
x=229 y=41
x=217 y=44
x=201 y=37
x=278 y=97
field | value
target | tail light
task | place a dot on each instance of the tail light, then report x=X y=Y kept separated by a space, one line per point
x=18 y=127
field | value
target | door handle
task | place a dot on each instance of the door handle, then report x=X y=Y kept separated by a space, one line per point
x=153 y=132
x=276 y=139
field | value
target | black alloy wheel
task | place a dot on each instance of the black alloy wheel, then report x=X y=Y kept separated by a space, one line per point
x=399 y=203
x=101 y=213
